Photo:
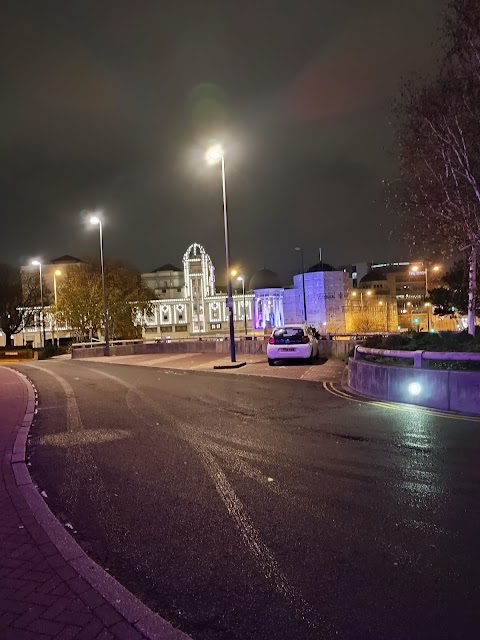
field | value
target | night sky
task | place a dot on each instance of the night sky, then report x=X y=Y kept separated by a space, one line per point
x=111 y=103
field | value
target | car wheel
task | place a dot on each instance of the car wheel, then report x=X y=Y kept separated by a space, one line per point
x=271 y=362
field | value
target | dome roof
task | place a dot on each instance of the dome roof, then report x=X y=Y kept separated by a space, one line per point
x=374 y=276
x=265 y=279
x=321 y=266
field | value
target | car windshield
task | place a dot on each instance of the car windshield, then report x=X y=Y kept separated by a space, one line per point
x=289 y=333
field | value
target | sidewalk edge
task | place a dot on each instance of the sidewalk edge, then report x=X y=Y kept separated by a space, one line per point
x=147 y=622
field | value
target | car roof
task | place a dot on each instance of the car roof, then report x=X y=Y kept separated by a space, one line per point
x=292 y=326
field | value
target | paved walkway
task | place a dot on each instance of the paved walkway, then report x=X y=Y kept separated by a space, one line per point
x=48 y=587
x=321 y=371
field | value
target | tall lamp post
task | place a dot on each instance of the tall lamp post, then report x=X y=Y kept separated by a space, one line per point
x=369 y=293
x=242 y=280
x=37 y=263
x=213 y=155
x=416 y=269
x=95 y=220
x=303 y=284
x=56 y=273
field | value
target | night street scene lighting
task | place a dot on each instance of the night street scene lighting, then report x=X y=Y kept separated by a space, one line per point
x=97 y=220
x=213 y=155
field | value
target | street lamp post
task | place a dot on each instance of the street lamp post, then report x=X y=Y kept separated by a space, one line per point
x=303 y=284
x=242 y=280
x=97 y=221
x=56 y=273
x=37 y=263
x=213 y=155
x=415 y=269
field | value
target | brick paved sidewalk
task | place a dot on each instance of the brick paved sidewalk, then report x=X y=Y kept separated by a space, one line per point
x=45 y=578
x=257 y=365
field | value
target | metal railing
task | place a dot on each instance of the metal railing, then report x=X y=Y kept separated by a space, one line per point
x=417 y=356
x=101 y=343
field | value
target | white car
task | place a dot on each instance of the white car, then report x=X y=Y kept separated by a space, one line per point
x=292 y=341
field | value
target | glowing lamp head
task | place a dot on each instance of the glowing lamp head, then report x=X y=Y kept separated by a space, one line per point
x=369 y=293
x=354 y=293
x=436 y=267
x=58 y=272
x=214 y=154
x=233 y=273
x=414 y=388
x=36 y=263
x=94 y=220
x=415 y=267
x=240 y=279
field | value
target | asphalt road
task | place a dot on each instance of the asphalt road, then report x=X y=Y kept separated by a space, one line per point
x=267 y=509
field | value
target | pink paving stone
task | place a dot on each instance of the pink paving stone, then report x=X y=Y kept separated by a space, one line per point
x=60 y=605
x=105 y=635
x=48 y=627
x=32 y=613
x=75 y=618
x=107 y=614
x=91 y=631
x=68 y=633
x=92 y=598
x=7 y=618
x=123 y=631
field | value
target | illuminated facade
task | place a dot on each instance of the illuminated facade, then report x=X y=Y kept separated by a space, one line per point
x=199 y=309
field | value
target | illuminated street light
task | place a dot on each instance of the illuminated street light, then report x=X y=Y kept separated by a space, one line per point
x=215 y=154
x=56 y=273
x=233 y=273
x=242 y=280
x=37 y=263
x=369 y=293
x=95 y=220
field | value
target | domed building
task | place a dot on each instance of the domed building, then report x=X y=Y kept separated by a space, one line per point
x=265 y=279
x=320 y=267
x=268 y=299
x=376 y=281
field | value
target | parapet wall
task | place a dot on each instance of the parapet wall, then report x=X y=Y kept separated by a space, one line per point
x=327 y=348
x=445 y=390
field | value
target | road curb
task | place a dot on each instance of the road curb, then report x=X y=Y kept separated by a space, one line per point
x=147 y=622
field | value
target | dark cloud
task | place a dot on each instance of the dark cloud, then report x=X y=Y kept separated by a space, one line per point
x=111 y=104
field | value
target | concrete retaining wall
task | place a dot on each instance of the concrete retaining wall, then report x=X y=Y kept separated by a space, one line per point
x=327 y=348
x=445 y=390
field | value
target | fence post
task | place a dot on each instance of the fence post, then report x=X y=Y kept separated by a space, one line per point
x=417 y=359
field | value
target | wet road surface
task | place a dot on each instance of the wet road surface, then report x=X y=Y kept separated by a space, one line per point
x=253 y=508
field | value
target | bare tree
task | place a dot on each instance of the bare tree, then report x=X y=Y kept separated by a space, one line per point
x=17 y=300
x=437 y=126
